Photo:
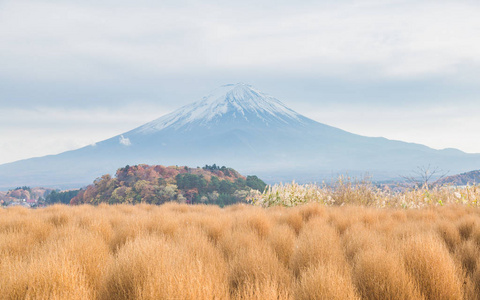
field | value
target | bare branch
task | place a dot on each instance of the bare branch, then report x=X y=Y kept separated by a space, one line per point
x=423 y=176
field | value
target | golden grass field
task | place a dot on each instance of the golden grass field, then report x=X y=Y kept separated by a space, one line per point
x=177 y=251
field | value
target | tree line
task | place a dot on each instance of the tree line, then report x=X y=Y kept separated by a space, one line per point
x=158 y=184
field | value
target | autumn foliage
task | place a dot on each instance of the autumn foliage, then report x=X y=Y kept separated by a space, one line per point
x=158 y=184
x=23 y=193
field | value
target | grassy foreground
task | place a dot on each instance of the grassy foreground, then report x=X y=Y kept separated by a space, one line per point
x=241 y=252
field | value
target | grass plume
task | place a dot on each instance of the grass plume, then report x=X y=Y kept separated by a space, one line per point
x=178 y=251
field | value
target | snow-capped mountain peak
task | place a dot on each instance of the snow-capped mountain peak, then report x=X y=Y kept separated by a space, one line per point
x=229 y=101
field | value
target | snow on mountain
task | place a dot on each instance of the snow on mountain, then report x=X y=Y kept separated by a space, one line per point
x=238 y=100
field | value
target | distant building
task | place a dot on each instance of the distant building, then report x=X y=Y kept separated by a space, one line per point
x=24 y=204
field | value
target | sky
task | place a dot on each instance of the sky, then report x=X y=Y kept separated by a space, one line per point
x=74 y=72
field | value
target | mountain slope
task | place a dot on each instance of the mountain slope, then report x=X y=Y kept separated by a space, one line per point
x=239 y=126
x=467 y=178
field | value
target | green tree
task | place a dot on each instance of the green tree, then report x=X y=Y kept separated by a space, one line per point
x=188 y=181
x=60 y=197
x=256 y=183
x=226 y=187
x=240 y=183
x=214 y=184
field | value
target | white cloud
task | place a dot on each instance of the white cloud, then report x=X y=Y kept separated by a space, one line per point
x=125 y=141
x=74 y=40
x=133 y=114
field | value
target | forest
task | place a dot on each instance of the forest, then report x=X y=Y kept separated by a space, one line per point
x=158 y=184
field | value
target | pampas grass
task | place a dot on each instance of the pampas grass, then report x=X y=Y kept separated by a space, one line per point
x=178 y=251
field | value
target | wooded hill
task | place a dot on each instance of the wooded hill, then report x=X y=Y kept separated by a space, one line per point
x=24 y=194
x=468 y=178
x=158 y=184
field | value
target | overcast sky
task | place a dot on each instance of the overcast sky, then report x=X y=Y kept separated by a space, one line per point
x=76 y=72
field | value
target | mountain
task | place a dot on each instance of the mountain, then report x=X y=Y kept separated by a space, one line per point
x=467 y=178
x=238 y=126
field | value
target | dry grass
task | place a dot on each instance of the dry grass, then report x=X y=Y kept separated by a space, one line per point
x=240 y=252
x=350 y=191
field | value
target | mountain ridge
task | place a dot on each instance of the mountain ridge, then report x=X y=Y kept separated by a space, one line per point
x=462 y=179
